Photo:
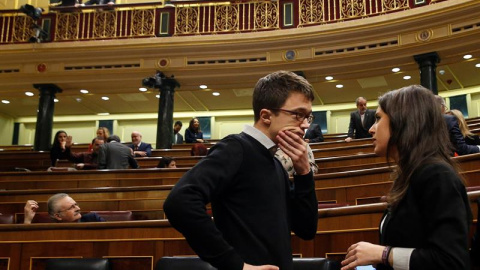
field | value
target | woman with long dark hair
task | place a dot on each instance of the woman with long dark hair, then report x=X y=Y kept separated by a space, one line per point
x=59 y=147
x=427 y=221
x=193 y=134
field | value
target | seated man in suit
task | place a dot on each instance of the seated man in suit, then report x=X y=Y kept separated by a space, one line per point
x=313 y=134
x=115 y=155
x=140 y=149
x=456 y=137
x=177 y=137
x=361 y=121
x=62 y=209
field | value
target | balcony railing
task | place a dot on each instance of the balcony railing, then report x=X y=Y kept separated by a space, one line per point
x=190 y=18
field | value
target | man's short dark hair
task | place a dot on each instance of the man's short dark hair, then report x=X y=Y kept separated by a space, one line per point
x=97 y=138
x=178 y=123
x=113 y=138
x=273 y=90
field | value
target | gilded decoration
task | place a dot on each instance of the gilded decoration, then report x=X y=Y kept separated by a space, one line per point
x=226 y=18
x=104 y=24
x=389 y=5
x=187 y=20
x=22 y=29
x=424 y=35
x=143 y=22
x=352 y=9
x=311 y=12
x=266 y=15
x=67 y=26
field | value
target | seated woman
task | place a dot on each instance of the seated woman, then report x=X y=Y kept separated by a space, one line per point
x=426 y=224
x=102 y=132
x=470 y=138
x=193 y=134
x=59 y=149
x=167 y=162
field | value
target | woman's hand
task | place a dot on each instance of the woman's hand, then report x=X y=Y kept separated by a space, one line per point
x=362 y=253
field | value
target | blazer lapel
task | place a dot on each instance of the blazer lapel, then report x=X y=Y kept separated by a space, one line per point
x=386 y=219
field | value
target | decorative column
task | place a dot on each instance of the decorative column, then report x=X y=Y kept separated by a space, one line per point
x=46 y=106
x=427 y=63
x=165 y=113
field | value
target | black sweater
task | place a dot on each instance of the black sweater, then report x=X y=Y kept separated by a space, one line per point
x=254 y=204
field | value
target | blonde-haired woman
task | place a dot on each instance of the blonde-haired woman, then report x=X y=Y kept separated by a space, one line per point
x=470 y=138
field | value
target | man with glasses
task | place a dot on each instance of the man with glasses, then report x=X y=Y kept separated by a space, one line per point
x=62 y=209
x=456 y=137
x=254 y=204
x=361 y=121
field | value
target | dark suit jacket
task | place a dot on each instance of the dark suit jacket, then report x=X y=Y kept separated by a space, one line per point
x=314 y=133
x=115 y=155
x=179 y=139
x=191 y=136
x=91 y=217
x=355 y=126
x=433 y=217
x=456 y=137
x=143 y=147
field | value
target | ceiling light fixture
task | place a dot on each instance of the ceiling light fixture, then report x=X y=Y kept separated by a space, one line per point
x=157 y=96
x=467 y=56
x=55 y=100
x=142 y=89
x=83 y=91
x=477 y=65
x=216 y=94
x=4 y=101
x=339 y=85
x=30 y=94
x=329 y=78
x=105 y=98
x=395 y=70
x=103 y=113
x=407 y=77
x=203 y=86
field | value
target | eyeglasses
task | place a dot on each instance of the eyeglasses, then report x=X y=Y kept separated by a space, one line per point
x=299 y=115
x=73 y=206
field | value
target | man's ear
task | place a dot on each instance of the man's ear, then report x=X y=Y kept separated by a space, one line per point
x=57 y=217
x=265 y=115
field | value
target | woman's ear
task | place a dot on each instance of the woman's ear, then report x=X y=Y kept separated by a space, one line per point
x=265 y=115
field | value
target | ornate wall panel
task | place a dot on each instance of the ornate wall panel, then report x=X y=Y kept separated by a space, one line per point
x=187 y=20
x=67 y=26
x=227 y=18
x=143 y=22
x=266 y=15
x=104 y=24
x=311 y=12
x=392 y=5
x=350 y=9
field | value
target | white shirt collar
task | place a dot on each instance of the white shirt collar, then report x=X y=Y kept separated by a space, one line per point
x=259 y=136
